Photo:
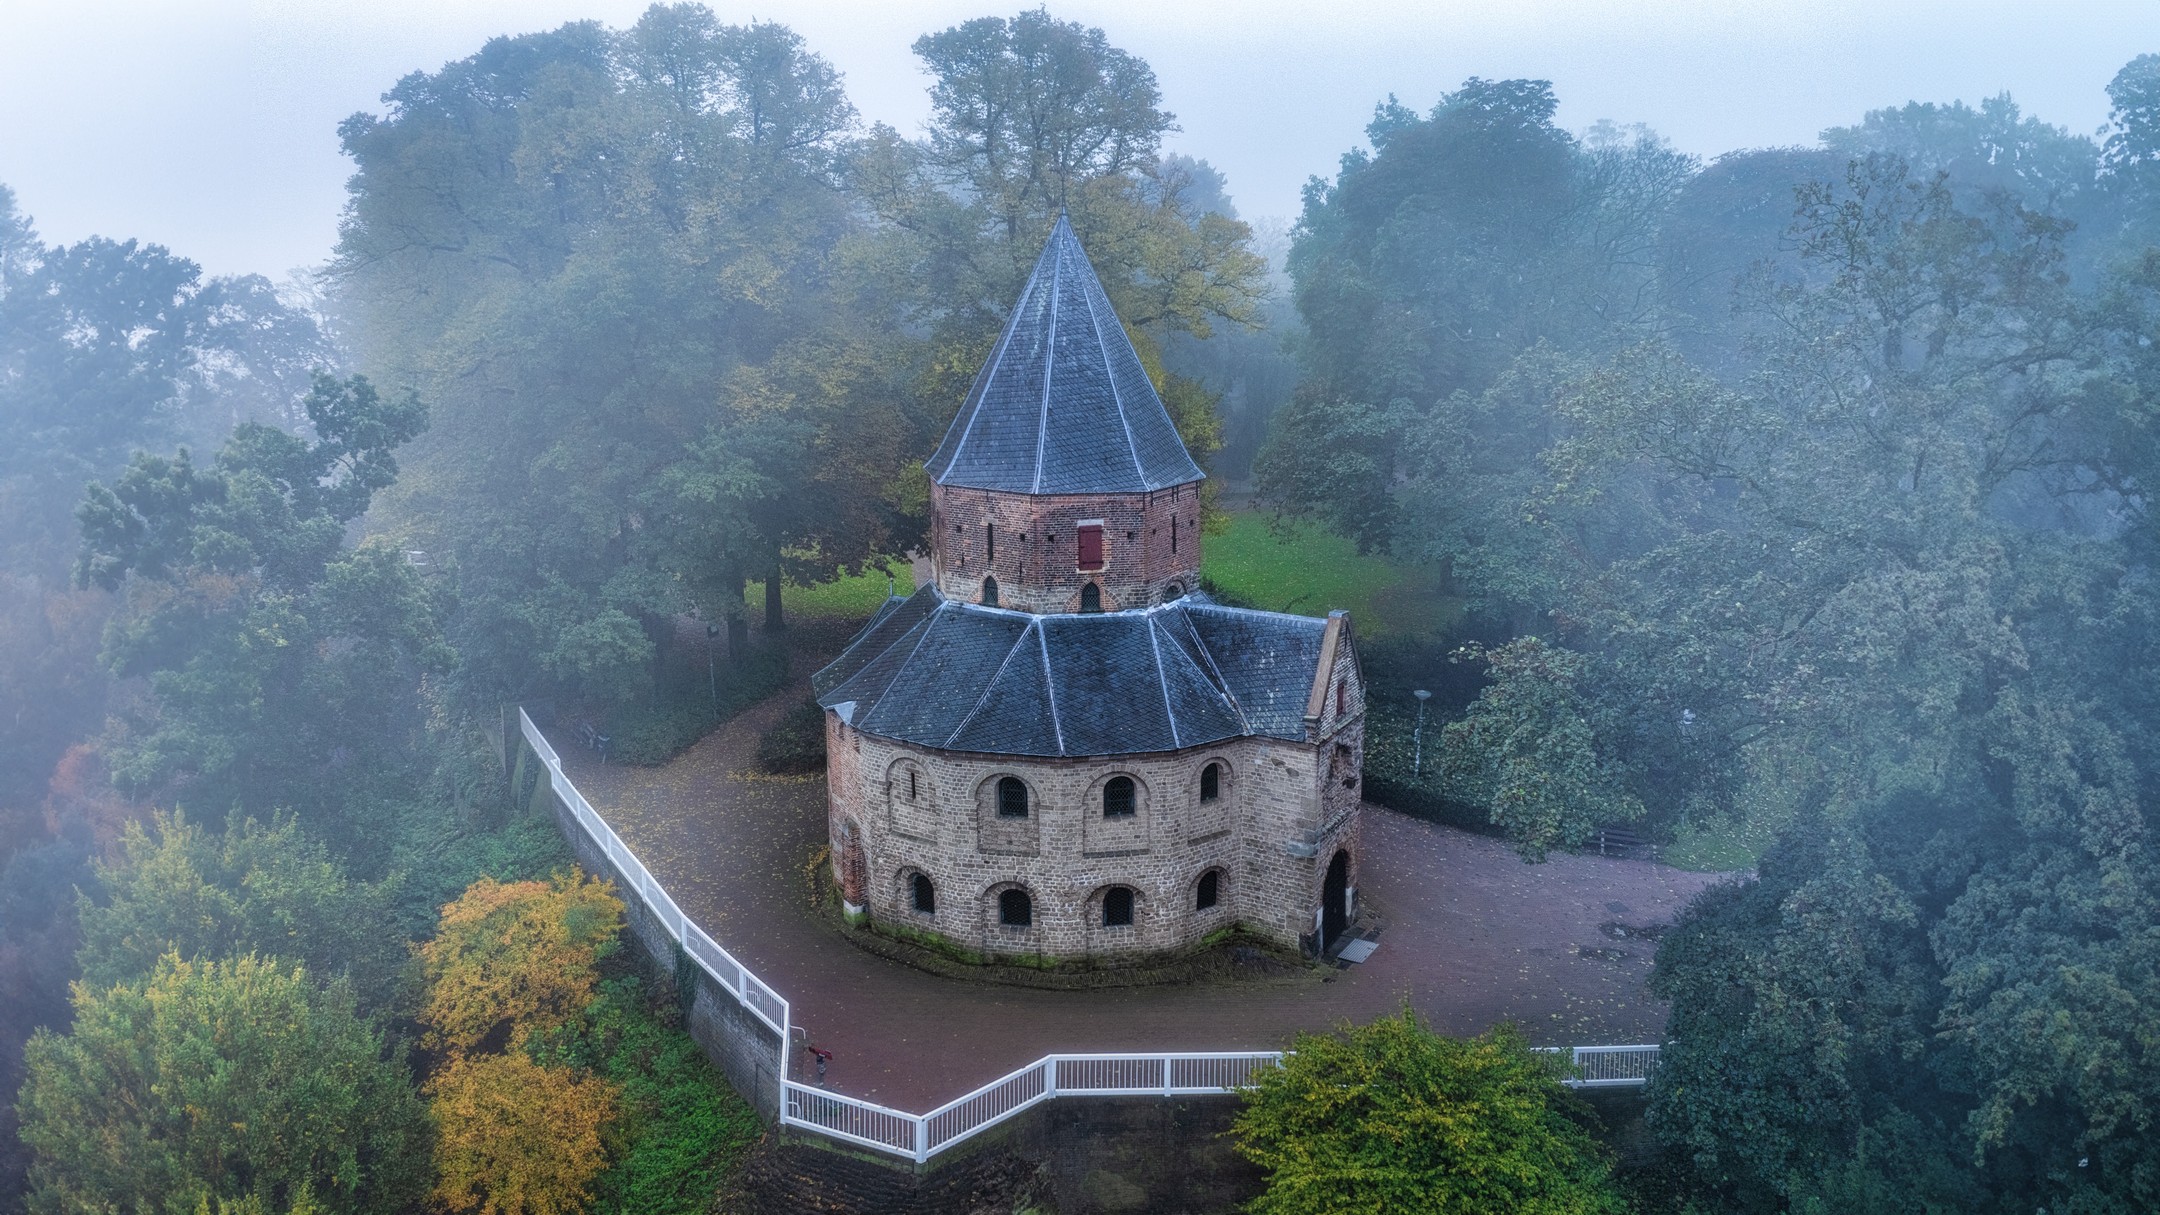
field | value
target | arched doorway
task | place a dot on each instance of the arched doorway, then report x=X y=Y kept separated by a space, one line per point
x=1334 y=893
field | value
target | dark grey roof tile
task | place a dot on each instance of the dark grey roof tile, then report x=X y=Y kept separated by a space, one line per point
x=1063 y=405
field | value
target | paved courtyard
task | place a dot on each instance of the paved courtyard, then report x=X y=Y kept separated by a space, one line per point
x=1471 y=935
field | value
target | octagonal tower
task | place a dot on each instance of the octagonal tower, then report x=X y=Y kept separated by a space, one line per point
x=1057 y=747
x=1062 y=485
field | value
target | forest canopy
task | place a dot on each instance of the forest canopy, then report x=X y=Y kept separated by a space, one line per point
x=1796 y=498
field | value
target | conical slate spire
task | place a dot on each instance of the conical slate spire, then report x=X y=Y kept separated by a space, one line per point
x=1063 y=406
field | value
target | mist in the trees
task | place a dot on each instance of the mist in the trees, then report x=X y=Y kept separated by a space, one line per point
x=1796 y=501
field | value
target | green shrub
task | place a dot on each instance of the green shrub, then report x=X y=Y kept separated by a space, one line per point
x=795 y=743
x=682 y=1130
x=682 y=712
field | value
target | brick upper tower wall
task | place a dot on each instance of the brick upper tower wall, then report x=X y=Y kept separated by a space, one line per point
x=1151 y=546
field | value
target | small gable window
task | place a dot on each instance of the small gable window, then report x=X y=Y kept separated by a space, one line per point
x=1209 y=891
x=1091 y=547
x=1091 y=598
x=1342 y=698
x=1015 y=909
x=990 y=592
x=1117 y=907
x=925 y=895
x=1210 y=782
x=1012 y=797
x=1118 y=798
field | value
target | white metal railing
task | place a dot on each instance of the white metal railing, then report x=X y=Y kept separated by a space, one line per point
x=636 y=879
x=1612 y=1066
x=921 y=1136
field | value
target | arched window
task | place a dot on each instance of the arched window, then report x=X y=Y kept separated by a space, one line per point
x=1012 y=797
x=1209 y=890
x=1119 y=799
x=1091 y=598
x=925 y=895
x=1117 y=907
x=1015 y=909
x=1172 y=592
x=1211 y=782
x=990 y=592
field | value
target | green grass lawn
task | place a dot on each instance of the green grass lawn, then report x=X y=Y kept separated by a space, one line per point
x=850 y=598
x=1311 y=572
x=1303 y=570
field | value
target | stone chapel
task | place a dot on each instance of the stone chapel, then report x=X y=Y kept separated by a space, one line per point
x=1059 y=748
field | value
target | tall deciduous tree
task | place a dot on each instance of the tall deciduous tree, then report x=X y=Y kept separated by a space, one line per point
x=215 y=1082
x=520 y=956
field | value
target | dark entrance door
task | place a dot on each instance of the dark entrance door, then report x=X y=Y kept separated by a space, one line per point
x=1333 y=894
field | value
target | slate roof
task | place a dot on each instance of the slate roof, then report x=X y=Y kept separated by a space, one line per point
x=962 y=677
x=1063 y=405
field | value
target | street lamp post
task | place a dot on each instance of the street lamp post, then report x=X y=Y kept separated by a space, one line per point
x=1417 y=734
x=712 y=677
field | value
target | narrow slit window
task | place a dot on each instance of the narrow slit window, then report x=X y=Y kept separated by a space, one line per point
x=1119 y=798
x=911 y=784
x=1117 y=907
x=1210 y=782
x=1012 y=797
x=1342 y=698
x=1015 y=909
x=1173 y=535
x=1210 y=890
x=925 y=895
x=1091 y=547
x=990 y=542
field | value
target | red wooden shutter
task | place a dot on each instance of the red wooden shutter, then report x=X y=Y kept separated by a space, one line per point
x=1091 y=547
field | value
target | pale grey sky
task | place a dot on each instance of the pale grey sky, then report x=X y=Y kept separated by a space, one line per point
x=210 y=125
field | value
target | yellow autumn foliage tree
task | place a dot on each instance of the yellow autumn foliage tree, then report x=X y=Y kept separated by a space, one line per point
x=515 y=1138
x=525 y=953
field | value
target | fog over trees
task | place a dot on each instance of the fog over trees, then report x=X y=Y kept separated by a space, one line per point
x=1795 y=498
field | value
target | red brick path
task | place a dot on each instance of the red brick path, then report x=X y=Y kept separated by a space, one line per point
x=1471 y=935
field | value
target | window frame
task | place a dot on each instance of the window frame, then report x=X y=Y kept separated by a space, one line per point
x=922 y=894
x=1026 y=905
x=1207 y=892
x=1211 y=782
x=1093 y=529
x=1130 y=797
x=1006 y=785
x=1130 y=901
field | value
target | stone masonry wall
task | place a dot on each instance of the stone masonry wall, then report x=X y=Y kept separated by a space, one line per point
x=1146 y=558
x=745 y=1049
x=903 y=809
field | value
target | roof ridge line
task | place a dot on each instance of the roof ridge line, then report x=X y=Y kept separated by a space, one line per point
x=988 y=687
x=1042 y=424
x=1102 y=347
x=1222 y=684
x=928 y=623
x=1042 y=639
x=1162 y=684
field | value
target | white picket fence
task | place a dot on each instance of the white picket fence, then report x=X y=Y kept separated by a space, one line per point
x=918 y=1137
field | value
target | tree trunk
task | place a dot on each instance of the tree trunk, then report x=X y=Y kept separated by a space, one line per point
x=774 y=621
